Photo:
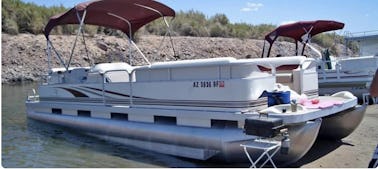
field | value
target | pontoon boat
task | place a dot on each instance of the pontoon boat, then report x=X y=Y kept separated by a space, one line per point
x=200 y=109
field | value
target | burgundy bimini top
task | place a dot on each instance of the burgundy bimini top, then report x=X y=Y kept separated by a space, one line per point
x=298 y=29
x=112 y=14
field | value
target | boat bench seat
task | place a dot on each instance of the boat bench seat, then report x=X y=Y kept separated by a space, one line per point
x=114 y=72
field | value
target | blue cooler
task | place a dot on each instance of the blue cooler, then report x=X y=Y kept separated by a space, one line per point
x=278 y=97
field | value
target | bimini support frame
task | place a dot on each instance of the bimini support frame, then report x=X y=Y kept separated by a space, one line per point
x=306 y=38
x=82 y=35
x=78 y=15
x=131 y=42
x=51 y=46
x=77 y=35
x=129 y=38
x=48 y=50
x=169 y=32
x=300 y=32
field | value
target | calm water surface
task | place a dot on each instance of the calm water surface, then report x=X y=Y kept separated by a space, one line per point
x=30 y=143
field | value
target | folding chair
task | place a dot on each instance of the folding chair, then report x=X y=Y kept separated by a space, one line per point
x=270 y=148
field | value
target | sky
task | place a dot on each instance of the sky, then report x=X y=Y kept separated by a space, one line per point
x=358 y=15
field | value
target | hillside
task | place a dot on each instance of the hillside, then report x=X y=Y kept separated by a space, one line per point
x=195 y=36
x=24 y=57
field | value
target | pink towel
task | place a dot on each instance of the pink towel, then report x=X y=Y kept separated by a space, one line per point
x=317 y=104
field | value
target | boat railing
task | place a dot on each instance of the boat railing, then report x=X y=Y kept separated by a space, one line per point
x=323 y=67
x=32 y=96
x=130 y=74
x=44 y=79
x=51 y=79
x=336 y=69
x=351 y=35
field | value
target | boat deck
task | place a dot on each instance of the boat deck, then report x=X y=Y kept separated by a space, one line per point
x=327 y=105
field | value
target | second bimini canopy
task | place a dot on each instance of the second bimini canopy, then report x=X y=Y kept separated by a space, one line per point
x=302 y=31
x=125 y=15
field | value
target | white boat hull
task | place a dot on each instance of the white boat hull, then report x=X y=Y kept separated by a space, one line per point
x=190 y=142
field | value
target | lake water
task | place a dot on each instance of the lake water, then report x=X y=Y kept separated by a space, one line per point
x=30 y=143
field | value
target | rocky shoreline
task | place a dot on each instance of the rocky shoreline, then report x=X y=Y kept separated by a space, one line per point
x=24 y=56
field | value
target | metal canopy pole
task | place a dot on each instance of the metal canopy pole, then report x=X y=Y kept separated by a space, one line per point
x=269 y=49
x=263 y=50
x=166 y=23
x=130 y=34
x=48 y=50
x=56 y=52
x=307 y=39
x=144 y=57
x=85 y=45
x=79 y=31
x=82 y=35
x=170 y=36
x=86 y=49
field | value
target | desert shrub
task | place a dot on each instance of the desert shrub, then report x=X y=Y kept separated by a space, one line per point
x=324 y=40
x=10 y=26
x=217 y=30
x=220 y=18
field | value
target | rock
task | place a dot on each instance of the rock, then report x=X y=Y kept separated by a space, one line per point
x=102 y=45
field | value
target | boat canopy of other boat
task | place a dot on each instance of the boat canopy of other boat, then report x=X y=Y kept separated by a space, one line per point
x=301 y=32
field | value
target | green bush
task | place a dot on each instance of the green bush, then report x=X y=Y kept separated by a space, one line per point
x=220 y=18
x=217 y=30
x=10 y=26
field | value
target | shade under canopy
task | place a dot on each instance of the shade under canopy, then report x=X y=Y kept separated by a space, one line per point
x=108 y=13
x=298 y=29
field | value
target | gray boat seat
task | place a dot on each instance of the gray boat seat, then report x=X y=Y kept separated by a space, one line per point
x=114 y=72
x=105 y=67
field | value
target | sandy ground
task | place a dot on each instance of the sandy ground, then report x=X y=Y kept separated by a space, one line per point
x=354 y=151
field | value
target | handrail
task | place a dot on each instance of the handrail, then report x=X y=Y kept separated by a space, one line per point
x=358 y=34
